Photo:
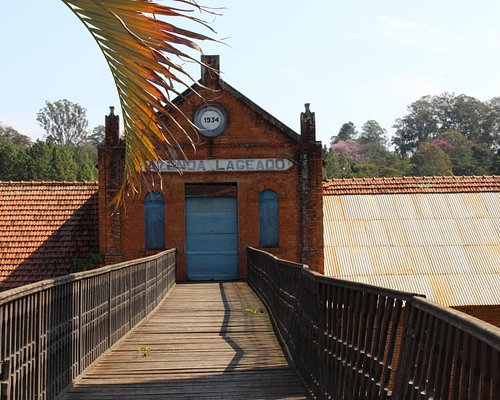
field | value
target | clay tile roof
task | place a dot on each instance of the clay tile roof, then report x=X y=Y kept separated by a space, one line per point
x=412 y=184
x=43 y=227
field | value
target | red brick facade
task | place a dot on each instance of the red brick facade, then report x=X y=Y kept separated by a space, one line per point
x=251 y=133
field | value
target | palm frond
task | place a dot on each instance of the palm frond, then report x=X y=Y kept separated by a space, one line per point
x=140 y=46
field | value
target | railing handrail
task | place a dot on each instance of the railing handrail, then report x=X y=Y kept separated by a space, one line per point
x=343 y=337
x=15 y=293
x=482 y=330
x=51 y=331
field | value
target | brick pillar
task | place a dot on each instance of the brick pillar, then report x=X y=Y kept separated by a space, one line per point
x=210 y=71
x=110 y=164
x=311 y=193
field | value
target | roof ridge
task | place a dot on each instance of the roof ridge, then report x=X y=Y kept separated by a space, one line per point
x=412 y=184
x=4 y=182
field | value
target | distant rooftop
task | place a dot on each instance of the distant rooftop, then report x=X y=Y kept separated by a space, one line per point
x=43 y=226
x=412 y=184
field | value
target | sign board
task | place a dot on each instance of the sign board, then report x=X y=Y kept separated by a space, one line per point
x=227 y=165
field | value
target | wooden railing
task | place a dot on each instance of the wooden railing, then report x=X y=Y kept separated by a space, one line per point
x=51 y=331
x=354 y=341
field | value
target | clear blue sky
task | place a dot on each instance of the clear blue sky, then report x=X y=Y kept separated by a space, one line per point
x=352 y=60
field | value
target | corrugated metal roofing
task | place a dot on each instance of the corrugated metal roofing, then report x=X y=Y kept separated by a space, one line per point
x=445 y=245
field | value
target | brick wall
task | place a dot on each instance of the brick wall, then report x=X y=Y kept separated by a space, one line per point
x=489 y=313
x=251 y=133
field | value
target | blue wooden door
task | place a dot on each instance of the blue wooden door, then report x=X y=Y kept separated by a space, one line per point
x=211 y=238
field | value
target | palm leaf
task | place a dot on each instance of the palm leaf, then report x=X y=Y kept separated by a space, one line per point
x=139 y=46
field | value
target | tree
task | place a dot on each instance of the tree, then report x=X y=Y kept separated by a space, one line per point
x=372 y=132
x=9 y=160
x=335 y=165
x=347 y=132
x=97 y=136
x=430 y=160
x=350 y=149
x=373 y=139
x=430 y=116
x=419 y=125
x=86 y=159
x=65 y=122
x=467 y=158
x=48 y=161
x=9 y=133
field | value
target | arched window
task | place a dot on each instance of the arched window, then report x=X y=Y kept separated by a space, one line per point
x=268 y=219
x=154 y=221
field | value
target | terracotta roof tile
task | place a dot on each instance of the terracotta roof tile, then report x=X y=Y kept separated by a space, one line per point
x=412 y=184
x=43 y=226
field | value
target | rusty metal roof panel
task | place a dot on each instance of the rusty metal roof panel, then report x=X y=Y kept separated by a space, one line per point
x=405 y=207
x=377 y=233
x=457 y=205
x=333 y=209
x=487 y=234
x=423 y=206
x=446 y=245
x=475 y=205
x=386 y=206
x=468 y=232
x=450 y=234
x=439 y=209
x=492 y=203
x=458 y=260
x=492 y=257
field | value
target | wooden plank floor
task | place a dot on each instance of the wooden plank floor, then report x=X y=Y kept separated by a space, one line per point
x=199 y=344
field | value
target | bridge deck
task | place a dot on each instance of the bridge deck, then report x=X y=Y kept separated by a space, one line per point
x=199 y=344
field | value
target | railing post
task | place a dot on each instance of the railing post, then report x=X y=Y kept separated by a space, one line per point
x=109 y=309
x=321 y=309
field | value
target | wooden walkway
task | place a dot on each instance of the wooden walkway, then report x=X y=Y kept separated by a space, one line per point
x=203 y=342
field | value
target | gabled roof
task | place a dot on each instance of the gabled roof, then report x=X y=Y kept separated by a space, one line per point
x=43 y=227
x=412 y=184
x=259 y=110
x=294 y=136
x=431 y=235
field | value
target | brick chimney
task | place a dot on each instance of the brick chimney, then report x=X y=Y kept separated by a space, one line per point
x=110 y=164
x=308 y=125
x=112 y=128
x=210 y=71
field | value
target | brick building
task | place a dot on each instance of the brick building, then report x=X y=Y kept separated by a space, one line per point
x=252 y=181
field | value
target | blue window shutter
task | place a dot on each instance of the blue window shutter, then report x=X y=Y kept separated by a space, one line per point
x=268 y=219
x=154 y=221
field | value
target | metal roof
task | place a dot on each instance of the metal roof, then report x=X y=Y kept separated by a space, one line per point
x=444 y=245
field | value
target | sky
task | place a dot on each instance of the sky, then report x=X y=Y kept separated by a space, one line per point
x=353 y=60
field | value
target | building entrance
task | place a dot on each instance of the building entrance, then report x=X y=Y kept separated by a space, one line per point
x=211 y=233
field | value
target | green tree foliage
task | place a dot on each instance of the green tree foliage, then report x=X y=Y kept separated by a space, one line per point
x=430 y=116
x=467 y=158
x=366 y=156
x=9 y=156
x=12 y=135
x=97 y=135
x=495 y=164
x=372 y=132
x=44 y=161
x=65 y=123
x=86 y=159
x=335 y=165
x=430 y=160
x=347 y=132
